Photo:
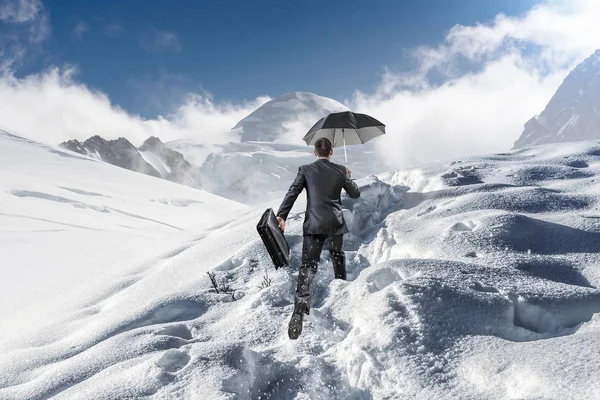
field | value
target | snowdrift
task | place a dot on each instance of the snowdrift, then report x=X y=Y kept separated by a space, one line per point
x=475 y=279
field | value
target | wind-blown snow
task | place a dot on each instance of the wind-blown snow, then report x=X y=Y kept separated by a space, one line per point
x=256 y=172
x=475 y=279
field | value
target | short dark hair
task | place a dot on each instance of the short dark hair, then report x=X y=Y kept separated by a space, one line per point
x=323 y=147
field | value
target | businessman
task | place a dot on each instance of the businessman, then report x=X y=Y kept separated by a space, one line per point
x=323 y=221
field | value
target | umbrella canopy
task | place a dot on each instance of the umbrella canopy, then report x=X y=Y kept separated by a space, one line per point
x=345 y=128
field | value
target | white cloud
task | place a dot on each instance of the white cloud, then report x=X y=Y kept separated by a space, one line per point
x=24 y=26
x=52 y=107
x=20 y=11
x=27 y=14
x=157 y=41
x=518 y=63
x=80 y=29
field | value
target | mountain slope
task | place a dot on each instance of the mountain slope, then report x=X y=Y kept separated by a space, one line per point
x=475 y=279
x=271 y=120
x=66 y=217
x=573 y=113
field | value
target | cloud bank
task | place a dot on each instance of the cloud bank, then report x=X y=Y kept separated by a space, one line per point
x=52 y=107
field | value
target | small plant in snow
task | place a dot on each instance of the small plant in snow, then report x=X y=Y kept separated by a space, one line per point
x=266 y=281
x=221 y=286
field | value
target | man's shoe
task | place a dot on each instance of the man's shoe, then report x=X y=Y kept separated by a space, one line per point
x=295 y=327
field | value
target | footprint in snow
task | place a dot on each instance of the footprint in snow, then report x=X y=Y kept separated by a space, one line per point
x=173 y=360
x=179 y=330
x=466 y=226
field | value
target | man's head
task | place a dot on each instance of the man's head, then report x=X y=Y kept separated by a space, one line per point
x=323 y=148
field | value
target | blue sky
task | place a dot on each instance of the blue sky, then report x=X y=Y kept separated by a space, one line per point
x=146 y=54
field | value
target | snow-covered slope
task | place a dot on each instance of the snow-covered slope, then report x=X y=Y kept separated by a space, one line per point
x=475 y=279
x=270 y=121
x=573 y=113
x=65 y=218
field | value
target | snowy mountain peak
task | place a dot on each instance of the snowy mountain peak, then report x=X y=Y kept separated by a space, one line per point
x=270 y=121
x=573 y=113
x=119 y=152
x=152 y=158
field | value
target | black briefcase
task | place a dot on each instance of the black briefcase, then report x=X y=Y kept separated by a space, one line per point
x=272 y=237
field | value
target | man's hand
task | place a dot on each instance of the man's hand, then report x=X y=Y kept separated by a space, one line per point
x=349 y=173
x=281 y=224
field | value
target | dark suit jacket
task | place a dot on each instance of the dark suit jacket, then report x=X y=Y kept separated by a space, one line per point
x=324 y=182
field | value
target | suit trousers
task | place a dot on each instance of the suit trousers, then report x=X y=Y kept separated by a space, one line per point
x=311 y=254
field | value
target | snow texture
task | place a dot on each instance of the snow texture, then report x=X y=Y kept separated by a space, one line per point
x=475 y=279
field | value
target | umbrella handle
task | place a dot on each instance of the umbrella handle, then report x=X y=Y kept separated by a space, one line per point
x=345 y=154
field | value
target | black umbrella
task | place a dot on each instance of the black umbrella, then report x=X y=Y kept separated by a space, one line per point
x=345 y=128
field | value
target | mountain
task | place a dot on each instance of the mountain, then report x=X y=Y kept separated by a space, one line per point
x=573 y=113
x=471 y=279
x=152 y=158
x=262 y=166
x=67 y=219
x=171 y=164
x=270 y=121
x=119 y=152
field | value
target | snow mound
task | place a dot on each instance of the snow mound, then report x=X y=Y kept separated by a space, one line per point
x=473 y=279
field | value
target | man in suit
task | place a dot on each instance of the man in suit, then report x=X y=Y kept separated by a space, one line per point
x=323 y=221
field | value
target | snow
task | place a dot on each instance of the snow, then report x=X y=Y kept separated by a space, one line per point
x=296 y=111
x=195 y=153
x=65 y=217
x=256 y=172
x=156 y=162
x=572 y=121
x=475 y=279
